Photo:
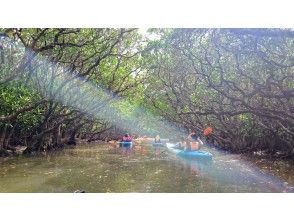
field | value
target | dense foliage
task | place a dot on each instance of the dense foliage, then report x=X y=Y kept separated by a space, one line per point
x=237 y=81
x=50 y=77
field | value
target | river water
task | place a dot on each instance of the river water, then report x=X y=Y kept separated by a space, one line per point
x=103 y=168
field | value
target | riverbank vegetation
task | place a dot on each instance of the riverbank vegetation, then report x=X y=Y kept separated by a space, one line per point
x=237 y=81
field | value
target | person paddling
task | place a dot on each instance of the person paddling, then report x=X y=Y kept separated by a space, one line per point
x=157 y=144
x=127 y=143
x=127 y=138
x=195 y=141
x=157 y=139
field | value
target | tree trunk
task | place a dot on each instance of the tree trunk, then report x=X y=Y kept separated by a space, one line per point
x=72 y=138
x=35 y=145
x=3 y=135
x=56 y=138
x=8 y=135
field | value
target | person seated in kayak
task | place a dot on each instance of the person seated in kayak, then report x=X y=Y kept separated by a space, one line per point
x=195 y=141
x=157 y=144
x=127 y=138
x=157 y=139
x=126 y=144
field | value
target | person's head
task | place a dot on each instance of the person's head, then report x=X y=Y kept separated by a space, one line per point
x=126 y=135
x=157 y=137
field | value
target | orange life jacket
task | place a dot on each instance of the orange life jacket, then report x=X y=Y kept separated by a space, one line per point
x=194 y=145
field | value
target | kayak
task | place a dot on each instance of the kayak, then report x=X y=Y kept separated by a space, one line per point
x=190 y=154
x=196 y=154
x=158 y=145
x=125 y=144
x=150 y=140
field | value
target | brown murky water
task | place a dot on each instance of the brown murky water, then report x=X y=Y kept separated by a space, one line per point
x=101 y=168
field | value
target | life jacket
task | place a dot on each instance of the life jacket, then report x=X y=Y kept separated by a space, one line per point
x=194 y=145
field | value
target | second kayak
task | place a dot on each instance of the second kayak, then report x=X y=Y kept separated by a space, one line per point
x=190 y=154
x=125 y=144
x=158 y=145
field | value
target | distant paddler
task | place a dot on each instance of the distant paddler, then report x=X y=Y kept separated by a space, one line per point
x=157 y=141
x=157 y=144
x=126 y=143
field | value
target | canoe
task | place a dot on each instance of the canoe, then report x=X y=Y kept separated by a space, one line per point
x=190 y=154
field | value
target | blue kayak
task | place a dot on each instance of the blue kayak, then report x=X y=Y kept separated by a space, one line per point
x=158 y=145
x=195 y=154
x=125 y=144
x=190 y=154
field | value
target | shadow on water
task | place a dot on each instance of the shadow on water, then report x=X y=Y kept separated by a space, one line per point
x=103 y=168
